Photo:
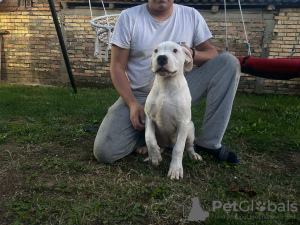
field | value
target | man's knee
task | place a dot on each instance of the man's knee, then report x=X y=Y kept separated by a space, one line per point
x=231 y=68
x=103 y=154
x=230 y=61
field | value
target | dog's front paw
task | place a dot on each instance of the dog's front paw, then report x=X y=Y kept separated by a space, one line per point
x=175 y=172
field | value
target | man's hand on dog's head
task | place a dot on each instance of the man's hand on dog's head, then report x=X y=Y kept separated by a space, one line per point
x=137 y=116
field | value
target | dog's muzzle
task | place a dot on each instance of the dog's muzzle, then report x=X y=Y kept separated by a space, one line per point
x=162 y=60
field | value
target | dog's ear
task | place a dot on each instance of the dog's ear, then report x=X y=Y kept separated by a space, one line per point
x=188 y=62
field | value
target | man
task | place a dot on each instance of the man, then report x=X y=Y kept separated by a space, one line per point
x=138 y=31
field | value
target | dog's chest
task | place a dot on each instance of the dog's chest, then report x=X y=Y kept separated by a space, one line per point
x=167 y=108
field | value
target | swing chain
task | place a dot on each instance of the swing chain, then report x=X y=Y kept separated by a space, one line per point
x=242 y=17
x=294 y=47
x=247 y=42
x=226 y=34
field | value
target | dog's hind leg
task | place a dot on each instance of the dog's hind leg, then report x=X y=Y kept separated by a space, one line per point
x=189 y=145
x=142 y=150
x=147 y=159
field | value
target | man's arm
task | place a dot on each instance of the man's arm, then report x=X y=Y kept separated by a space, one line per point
x=203 y=52
x=119 y=58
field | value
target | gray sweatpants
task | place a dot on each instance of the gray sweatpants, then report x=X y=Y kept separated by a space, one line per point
x=217 y=79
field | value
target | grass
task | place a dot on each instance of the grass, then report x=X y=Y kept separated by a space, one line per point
x=49 y=175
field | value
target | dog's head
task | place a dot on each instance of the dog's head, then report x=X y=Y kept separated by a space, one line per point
x=169 y=59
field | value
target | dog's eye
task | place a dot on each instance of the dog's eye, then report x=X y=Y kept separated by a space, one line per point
x=175 y=50
x=155 y=50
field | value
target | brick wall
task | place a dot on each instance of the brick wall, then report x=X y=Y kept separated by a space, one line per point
x=31 y=44
x=236 y=39
x=31 y=52
x=285 y=36
x=87 y=69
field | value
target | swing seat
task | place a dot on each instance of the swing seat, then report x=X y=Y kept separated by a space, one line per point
x=104 y=27
x=278 y=68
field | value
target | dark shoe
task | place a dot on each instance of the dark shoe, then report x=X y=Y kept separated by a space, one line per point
x=90 y=129
x=221 y=154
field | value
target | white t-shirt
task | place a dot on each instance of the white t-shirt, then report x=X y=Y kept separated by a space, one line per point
x=138 y=31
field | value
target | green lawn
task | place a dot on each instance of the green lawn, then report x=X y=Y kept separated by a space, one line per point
x=49 y=175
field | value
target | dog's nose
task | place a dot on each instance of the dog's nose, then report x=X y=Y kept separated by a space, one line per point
x=162 y=60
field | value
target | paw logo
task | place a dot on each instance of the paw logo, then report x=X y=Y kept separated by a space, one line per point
x=261 y=206
x=197 y=213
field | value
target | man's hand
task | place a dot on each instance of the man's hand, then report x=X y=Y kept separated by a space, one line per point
x=188 y=48
x=137 y=116
x=203 y=52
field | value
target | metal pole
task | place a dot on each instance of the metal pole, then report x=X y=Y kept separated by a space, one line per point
x=0 y=53
x=1 y=39
x=62 y=44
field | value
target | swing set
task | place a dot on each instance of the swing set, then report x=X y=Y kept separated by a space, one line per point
x=278 y=68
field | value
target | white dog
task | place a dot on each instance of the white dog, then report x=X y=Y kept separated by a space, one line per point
x=168 y=107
